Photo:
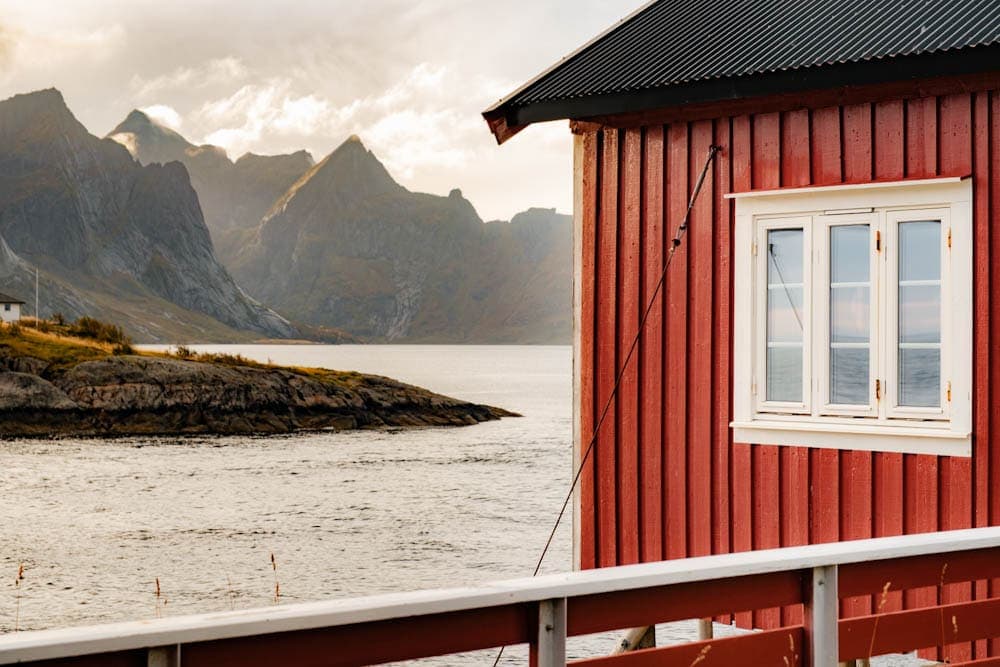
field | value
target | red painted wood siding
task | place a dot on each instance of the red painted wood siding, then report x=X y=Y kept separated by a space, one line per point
x=665 y=480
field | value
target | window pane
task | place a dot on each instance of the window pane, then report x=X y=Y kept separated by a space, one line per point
x=784 y=256
x=784 y=374
x=849 y=376
x=850 y=314
x=920 y=378
x=784 y=315
x=849 y=255
x=920 y=314
x=920 y=250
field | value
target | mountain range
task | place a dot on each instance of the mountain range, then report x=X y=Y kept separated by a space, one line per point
x=112 y=237
x=178 y=242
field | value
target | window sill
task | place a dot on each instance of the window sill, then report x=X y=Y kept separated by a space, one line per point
x=861 y=437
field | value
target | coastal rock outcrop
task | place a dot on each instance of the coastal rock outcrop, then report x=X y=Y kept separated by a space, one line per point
x=148 y=395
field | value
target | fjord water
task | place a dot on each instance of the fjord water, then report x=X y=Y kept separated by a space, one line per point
x=96 y=522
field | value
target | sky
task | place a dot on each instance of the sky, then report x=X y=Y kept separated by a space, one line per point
x=410 y=77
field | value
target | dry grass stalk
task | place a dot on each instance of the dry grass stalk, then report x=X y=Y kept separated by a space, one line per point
x=702 y=655
x=878 y=614
x=941 y=651
x=277 y=586
x=17 y=588
x=161 y=600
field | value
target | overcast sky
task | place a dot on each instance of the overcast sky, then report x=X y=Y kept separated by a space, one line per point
x=409 y=76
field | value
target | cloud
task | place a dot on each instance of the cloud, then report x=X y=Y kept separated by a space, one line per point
x=163 y=114
x=7 y=46
x=219 y=71
x=258 y=110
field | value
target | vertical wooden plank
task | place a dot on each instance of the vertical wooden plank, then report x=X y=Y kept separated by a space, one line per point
x=722 y=352
x=955 y=157
x=824 y=464
x=651 y=351
x=607 y=290
x=856 y=513
x=921 y=137
x=887 y=500
x=700 y=261
x=981 y=327
x=765 y=165
x=630 y=193
x=796 y=170
x=722 y=346
x=920 y=503
x=993 y=184
x=740 y=453
x=676 y=356
x=588 y=499
x=920 y=472
x=795 y=148
x=825 y=474
x=794 y=480
x=826 y=146
x=857 y=142
x=766 y=513
x=888 y=474
x=889 y=140
x=767 y=170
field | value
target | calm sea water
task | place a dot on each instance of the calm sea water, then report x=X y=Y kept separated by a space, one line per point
x=96 y=522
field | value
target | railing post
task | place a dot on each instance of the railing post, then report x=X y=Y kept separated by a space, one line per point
x=822 y=615
x=551 y=650
x=164 y=656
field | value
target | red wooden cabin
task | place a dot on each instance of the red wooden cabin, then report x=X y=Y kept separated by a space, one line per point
x=822 y=362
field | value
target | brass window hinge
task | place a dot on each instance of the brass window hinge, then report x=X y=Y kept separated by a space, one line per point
x=949 y=238
x=878 y=390
x=948 y=391
x=878 y=241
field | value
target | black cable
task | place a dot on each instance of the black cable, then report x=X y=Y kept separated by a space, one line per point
x=674 y=244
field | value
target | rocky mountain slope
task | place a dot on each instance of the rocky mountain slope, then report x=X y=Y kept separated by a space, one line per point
x=348 y=247
x=51 y=385
x=115 y=234
x=341 y=244
x=234 y=196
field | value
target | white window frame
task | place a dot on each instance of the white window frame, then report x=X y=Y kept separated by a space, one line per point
x=782 y=407
x=881 y=425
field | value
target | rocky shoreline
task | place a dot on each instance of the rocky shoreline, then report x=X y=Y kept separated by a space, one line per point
x=128 y=395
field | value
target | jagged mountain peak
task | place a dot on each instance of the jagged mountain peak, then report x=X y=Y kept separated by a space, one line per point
x=139 y=122
x=351 y=170
x=39 y=109
x=46 y=98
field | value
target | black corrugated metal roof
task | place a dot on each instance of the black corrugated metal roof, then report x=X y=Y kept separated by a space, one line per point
x=671 y=44
x=5 y=298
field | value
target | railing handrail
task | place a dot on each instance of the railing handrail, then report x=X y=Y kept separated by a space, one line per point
x=84 y=640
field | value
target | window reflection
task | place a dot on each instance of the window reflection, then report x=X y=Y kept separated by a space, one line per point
x=919 y=314
x=850 y=314
x=784 y=315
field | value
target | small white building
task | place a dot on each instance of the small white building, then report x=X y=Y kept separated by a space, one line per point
x=10 y=308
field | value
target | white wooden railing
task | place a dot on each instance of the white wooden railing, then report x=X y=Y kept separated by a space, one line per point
x=543 y=611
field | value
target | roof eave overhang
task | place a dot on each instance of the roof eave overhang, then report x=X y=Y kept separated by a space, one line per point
x=506 y=120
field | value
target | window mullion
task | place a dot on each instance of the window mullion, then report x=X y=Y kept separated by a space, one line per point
x=880 y=334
